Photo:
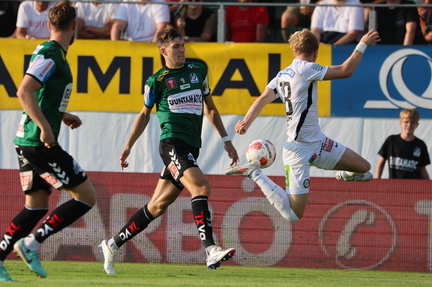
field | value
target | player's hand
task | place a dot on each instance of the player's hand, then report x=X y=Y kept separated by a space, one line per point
x=47 y=137
x=232 y=152
x=71 y=121
x=123 y=163
x=371 y=38
x=240 y=127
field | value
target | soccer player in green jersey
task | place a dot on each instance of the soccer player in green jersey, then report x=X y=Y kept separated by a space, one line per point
x=181 y=94
x=44 y=95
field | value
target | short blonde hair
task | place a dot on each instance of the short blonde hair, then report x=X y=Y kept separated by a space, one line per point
x=303 y=42
x=411 y=114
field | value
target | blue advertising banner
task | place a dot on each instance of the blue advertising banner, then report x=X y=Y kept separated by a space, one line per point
x=389 y=79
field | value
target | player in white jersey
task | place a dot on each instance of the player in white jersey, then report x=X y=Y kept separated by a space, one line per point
x=306 y=145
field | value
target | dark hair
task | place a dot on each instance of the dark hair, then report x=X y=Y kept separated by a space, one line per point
x=62 y=15
x=166 y=35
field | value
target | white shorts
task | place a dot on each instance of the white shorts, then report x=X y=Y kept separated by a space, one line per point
x=298 y=157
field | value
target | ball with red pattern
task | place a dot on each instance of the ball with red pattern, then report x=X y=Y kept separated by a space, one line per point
x=262 y=150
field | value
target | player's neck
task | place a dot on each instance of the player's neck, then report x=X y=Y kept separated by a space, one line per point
x=62 y=39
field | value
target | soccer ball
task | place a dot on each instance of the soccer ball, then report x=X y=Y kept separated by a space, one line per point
x=262 y=150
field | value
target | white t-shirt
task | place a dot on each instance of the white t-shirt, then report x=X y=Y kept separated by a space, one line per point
x=142 y=19
x=35 y=22
x=344 y=19
x=297 y=88
x=95 y=15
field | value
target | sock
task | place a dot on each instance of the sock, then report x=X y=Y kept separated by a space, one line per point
x=137 y=223
x=19 y=227
x=202 y=218
x=63 y=216
x=276 y=195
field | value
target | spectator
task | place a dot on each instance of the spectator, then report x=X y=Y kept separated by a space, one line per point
x=94 y=19
x=196 y=24
x=139 y=21
x=296 y=17
x=247 y=23
x=338 y=25
x=399 y=26
x=8 y=17
x=425 y=14
x=32 y=21
x=406 y=154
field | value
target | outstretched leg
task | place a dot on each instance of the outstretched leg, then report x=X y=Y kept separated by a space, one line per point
x=353 y=167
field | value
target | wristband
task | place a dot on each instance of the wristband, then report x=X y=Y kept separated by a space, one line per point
x=361 y=47
x=226 y=139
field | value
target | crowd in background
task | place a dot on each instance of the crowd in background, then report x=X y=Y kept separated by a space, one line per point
x=198 y=23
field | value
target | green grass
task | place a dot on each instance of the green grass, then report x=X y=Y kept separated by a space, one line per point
x=82 y=274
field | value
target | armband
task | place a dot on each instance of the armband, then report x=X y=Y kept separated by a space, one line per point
x=225 y=139
x=361 y=47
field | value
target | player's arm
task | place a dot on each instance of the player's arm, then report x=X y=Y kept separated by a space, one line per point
x=21 y=33
x=423 y=172
x=138 y=128
x=30 y=105
x=380 y=167
x=71 y=120
x=117 y=28
x=255 y=109
x=159 y=26
x=350 y=65
x=411 y=29
x=215 y=119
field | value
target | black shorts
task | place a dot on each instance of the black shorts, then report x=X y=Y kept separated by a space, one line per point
x=44 y=168
x=177 y=157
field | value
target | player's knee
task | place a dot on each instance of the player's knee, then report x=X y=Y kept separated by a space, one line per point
x=158 y=208
x=365 y=167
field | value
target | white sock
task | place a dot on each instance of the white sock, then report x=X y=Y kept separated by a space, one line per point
x=31 y=243
x=276 y=195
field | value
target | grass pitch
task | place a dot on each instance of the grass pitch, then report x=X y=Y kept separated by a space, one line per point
x=71 y=274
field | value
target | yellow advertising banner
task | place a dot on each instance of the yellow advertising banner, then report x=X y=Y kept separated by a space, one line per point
x=109 y=75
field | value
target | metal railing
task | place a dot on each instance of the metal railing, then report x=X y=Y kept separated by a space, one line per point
x=220 y=8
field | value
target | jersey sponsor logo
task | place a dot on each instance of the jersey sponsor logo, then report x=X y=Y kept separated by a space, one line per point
x=192 y=66
x=417 y=152
x=193 y=78
x=20 y=131
x=161 y=76
x=174 y=166
x=328 y=145
x=66 y=96
x=317 y=67
x=184 y=87
x=289 y=72
x=26 y=179
x=171 y=83
x=402 y=163
x=41 y=68
x=189 y=102
x=51 y=179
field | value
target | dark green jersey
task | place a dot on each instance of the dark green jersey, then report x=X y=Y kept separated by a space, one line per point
x=49 y=66
x=179 y=98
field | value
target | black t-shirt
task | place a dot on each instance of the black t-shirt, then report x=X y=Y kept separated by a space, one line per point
x=8 y=17
x=391 y=24
x=404 y=157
